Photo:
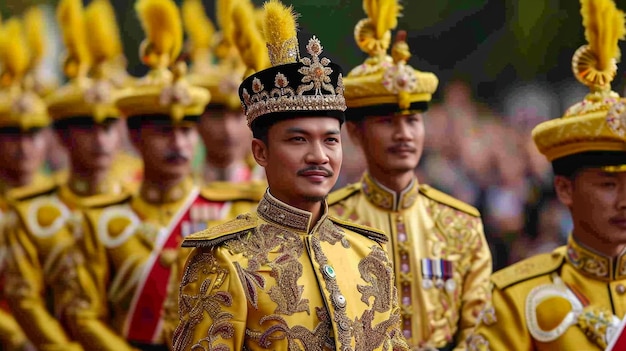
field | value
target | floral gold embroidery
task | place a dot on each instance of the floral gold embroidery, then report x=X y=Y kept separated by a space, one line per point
x=316 y=72
x=332 y=234
x=375 y=269
x=250 y=280
x=369 y=338
x=477 y=343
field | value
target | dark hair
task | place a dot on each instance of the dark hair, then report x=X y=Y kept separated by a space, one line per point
x=356 y=114
x=135 y=122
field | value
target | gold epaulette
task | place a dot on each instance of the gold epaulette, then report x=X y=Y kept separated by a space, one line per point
x=230 y=191
x=448 y=200
x=105 y=200
x=30 y=191
x=529 y=268
x=369 y=232
x=219 y=234
x=343 y=193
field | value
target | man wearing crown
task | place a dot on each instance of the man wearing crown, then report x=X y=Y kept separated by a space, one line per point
x=44 y=239
x=573 y=298
x=222 y=125
x=289 y=276
x=139 y=236
x=440 y=256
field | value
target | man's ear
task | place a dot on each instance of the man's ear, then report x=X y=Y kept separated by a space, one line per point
x=259 y=151
x=564 y=188
x=355 y=132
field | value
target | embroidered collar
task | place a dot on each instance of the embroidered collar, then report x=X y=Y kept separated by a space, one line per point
x=237 y=172
x=153 y=194
x=595 y=264
x=386 y=198
x=273 y=210
x=82 y=187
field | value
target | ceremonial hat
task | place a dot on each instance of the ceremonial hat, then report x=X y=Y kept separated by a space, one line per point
x=20 y=107
x=216 y=64
x=85 y=97
x=163 y=93
x=293 y=86
x=385 y=83
x=591 y=133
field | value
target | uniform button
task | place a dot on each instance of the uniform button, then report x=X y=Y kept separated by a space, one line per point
x=621 y=289
x=329 y=271
x=339 y=300
x=343 y=325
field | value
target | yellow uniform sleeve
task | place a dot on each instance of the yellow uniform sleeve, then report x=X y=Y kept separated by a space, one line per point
x=11 y=335
x=475 y=288
x=212 y=304
x=38 y=267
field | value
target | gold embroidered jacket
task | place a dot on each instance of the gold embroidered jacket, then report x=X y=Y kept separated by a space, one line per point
x=441 y=258
x=139 y=238
x=275 y=280
x=42 y=264
x=570 y=299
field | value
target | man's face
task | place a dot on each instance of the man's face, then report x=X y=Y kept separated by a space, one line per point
x=22 y=153
x=302 y=158
x=225 y=135
x=167 y=150
x=93 y=147
x=597 y=201
x=392 y=144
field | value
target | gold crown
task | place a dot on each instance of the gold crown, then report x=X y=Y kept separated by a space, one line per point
x=223 y=77
x=385 y=79
x=295 y=86
x=20 y=106
x=598 y=123
x=162 y=91
x=83 y=96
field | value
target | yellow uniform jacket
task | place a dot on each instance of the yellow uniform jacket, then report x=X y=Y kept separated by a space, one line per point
x=274 y=280
x=140 y=238
x=43 y=264
x=441 y=259
x=11 y=335
x=570 y=299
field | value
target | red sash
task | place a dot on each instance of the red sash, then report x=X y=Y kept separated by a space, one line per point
x=144 y=321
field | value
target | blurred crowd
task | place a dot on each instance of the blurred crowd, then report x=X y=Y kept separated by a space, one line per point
x=487 y=158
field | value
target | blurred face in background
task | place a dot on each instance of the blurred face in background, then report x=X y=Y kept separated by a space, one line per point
x=225 y=135
x=21 y=154
x=91 y=146
x=392 y=144
x=166 y=149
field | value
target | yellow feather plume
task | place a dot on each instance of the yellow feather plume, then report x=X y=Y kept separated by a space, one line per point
x=71 y=20
x=248 y=39
x=279 y=29
x=604 y=26
x=34 y=23
x=197 y=24
x=104 y=36
x=383 y=14
x=160 y=20
x=14 y=52
x=223 y=11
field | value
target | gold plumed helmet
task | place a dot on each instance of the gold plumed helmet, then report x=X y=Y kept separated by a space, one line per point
x=293 y=86
x=385 y=83
x=216 y=65
x=83 y=96
x=592 y=133
x=20 y=105
x=162 y=92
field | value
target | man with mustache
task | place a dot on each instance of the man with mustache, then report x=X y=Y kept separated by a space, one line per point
x=43 y=238
x=140 y=235
x=289 y=276
x=573 y=297
x=441 y=259
x=222 y=125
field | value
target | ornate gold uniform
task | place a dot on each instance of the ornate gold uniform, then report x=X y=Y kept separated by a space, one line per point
x=441 y=260
x=572 y=298
x=275 y=280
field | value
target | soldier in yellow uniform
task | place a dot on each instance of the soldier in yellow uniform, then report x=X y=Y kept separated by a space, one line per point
x=23 y=117
x=44 y=259
x=289 y=276
x=441 y=259
x=222 y=126
x=140 y=235
x=573 y=298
